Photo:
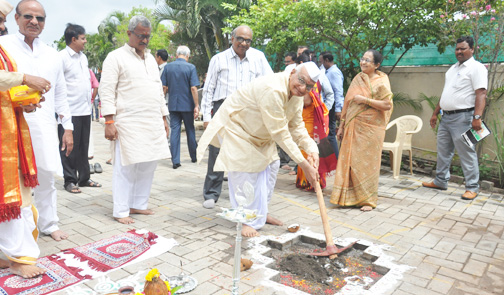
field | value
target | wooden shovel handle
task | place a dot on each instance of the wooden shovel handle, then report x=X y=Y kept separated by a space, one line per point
x=323 y=214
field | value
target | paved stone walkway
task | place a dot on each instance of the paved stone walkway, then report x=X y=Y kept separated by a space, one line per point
x=454 y=246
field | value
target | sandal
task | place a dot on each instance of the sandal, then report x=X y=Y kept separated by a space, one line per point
x=109 y=162
x=72 y=188
x=97 y=168
x=91 y=183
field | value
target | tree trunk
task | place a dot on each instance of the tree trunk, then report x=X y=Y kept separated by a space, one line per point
x=207 y=46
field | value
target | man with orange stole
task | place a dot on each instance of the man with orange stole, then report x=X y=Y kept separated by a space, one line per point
x=18 y=216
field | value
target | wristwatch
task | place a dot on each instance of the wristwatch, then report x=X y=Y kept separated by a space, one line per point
x=476 y=117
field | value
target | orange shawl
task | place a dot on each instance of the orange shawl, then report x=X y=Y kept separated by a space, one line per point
x=358 y=171
x=16 y=152
x=316 y=119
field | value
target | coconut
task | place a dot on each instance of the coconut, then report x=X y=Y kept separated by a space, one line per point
x=293 y=227
x=156 y=287
x=245 y=264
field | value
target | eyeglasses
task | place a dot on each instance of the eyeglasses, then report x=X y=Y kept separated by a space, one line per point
x=241 y=39
x=303 y=82
x=40 y=19
x=142 y=36
x=366 y=60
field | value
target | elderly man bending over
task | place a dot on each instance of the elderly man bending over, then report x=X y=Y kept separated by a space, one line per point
x=249 y=123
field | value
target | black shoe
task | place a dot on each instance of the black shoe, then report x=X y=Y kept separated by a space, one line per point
x=91 y=169
x=225 y=178
x=175 y=166
x=194 y=161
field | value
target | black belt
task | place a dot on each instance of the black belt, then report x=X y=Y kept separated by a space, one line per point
x=458 y=111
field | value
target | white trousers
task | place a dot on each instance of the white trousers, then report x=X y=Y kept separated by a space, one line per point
x=131 y=185
x=263 y=183
x=18 y=237
x=46 y=201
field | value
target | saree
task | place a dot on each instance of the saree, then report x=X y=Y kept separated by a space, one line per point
x=358 y=171
x=16 y=153
x=316 y=119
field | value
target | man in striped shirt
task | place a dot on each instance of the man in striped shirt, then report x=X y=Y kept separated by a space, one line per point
x=227 y=72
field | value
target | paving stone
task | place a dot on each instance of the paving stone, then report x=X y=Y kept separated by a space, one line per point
x=417 y=290
x=458 y=256
x=474 y=267
x=426 y=270
x=441 y=284
x=445 y=245
x=455 y=246
x=458 y=275
x=443 y=262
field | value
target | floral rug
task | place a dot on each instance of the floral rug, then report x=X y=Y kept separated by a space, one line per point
x=57 y=276
x=114 y=252
x=94 y=260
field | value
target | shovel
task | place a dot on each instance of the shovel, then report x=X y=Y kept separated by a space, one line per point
x=331 y=250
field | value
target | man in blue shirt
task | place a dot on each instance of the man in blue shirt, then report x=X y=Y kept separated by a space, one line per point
x=335 y=77
x=180 y=81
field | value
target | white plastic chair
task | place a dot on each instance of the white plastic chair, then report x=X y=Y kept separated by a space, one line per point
x=406 y=127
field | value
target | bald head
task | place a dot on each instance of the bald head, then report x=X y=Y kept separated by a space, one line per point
x=241 y=38
x=30 y=17
x=23 y=2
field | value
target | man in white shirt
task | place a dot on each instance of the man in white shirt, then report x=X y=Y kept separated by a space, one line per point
x=161 y=58
x=18 y=218
x=36 y=58
x=462 y=103
x=249 y=125
x=135 y=120
x=76 y=169
x=228 y=71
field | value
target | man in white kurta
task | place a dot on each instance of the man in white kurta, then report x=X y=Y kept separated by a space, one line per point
x=18 y=238
x=36 y=58
x=134 y=108
x=249 y=124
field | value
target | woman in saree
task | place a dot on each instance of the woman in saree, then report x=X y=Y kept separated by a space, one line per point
x=316 y=119
x=365 y=115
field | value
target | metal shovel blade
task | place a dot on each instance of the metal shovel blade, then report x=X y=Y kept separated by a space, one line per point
x=331 y=250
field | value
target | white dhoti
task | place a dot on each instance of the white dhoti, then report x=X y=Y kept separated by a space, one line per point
x=46 y=201
x=131 y=184
x=18 y=237
x=263 y=183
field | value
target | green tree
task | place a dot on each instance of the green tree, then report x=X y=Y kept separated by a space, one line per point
x=112 y=34
x=200 y=24
x=160 y=33
x=345 y=27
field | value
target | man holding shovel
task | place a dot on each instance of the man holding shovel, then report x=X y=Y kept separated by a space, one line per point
x=249 y=124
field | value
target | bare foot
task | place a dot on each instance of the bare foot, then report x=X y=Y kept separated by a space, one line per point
x=144 y=212
x=249 y=232
x=292 y=173
x=4 y=263
x=59 y=235
x=125 y=220
x=286 y=167
x=272 y=220
x=366 y=208
x=26 y=271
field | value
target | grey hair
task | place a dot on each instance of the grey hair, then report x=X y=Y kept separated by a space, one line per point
x=233 y=33
x=183 y=50
x=138 y=19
